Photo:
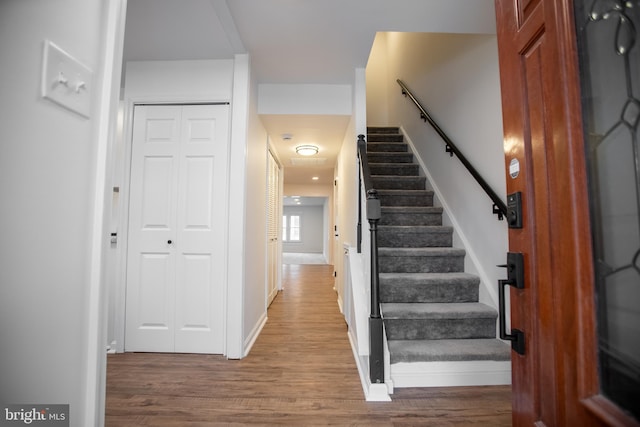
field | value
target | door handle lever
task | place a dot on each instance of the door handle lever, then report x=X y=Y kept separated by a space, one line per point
x=515 y=278
x=516 y=336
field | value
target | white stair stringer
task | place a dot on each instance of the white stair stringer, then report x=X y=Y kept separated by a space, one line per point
x=357 y=314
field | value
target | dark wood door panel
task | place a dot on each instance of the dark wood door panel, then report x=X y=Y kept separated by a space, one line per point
x=525 y=9
x=542 y=130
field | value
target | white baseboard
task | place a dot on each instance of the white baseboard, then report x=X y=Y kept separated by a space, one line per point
x=253 y=336
x=112 y=348
x=451 y=374
x=372 y=392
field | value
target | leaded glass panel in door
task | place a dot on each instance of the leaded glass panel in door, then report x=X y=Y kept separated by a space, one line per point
x=610 y=81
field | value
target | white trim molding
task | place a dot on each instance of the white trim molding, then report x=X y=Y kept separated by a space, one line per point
x=451 y=374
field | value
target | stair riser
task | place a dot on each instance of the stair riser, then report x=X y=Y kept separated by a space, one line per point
x=384 y=137
x=411 y=183
x=424 y=199
x=421 y=264
x=432 y=293
x=390 y=158
x=434 y=329
x=387 y=147
x=400 y=169
x=410 y=219
x=392 y=238
x=383 y=129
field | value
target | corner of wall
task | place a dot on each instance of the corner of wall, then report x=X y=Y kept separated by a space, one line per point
x=236 y=245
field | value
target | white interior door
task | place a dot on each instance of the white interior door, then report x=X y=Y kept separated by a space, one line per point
x=273 y=229
x=177 y=233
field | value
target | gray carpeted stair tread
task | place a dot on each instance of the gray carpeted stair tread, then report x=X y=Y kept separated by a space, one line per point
x=418 y=210
x=408 y=351
x=399 y=169
x=385 y=137
x=412 y=278
x=469 y=310
x=390 y=157
x=421 y=252
x=404 y=192
x=421 y=260
x=405 y=197
x=436 y=321
x=429 y=287
x=412 y=209
x=400 y=165
x=417 y=228
x=385 y=145
x=403 y=236
x=397 y=178
x=411 y=215
x=390 y=182
x=401 y=179
x=382 y=129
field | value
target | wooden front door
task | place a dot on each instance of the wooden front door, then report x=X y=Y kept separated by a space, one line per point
x=559 y=379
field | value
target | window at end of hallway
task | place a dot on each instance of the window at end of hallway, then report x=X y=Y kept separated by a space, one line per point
x=291 y=228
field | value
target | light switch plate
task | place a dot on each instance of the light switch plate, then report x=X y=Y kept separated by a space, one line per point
x=65 y=80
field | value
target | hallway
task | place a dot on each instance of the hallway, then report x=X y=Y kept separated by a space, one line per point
x=300 y=372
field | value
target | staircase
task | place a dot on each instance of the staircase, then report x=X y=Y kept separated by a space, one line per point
x=438 y=333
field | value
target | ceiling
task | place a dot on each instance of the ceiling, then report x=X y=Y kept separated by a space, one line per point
x=324 y=131
x=304 y=201
x=292 y=42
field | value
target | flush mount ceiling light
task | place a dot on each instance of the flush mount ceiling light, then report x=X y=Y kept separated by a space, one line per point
x=307 y=150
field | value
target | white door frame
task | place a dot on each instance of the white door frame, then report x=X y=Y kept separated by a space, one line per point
x=123 y=226
x=219 y=110
x=105 y=131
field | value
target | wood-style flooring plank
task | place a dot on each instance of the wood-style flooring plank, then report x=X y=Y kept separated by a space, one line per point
x=300 y=372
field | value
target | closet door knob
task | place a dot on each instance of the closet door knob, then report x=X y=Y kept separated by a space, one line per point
x=169 y=241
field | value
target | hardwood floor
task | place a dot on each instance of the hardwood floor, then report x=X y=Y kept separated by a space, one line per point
x=300 y=372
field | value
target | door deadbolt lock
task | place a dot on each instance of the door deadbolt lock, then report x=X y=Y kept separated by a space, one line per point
x=515 y=269
x=514 y=210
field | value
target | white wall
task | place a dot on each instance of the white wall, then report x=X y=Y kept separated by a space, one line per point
x=457 y=80
x=312 y=229
x=203 y=80
x=255 y=268
x=377 y=75
x=346 y=177
x=48 y=176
